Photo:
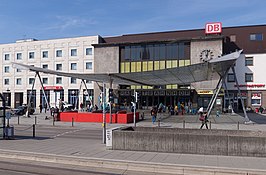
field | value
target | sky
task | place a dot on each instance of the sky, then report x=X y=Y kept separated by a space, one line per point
x=52 y=19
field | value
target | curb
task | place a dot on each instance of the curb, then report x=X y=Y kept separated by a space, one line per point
x=127 y=165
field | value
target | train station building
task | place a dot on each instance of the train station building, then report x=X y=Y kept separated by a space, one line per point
x=139 y=53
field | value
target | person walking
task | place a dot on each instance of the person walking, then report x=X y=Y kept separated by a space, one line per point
x=40 y=108
x=153 y=114
x=81 y=106
x=204 y=120
x=45 y=107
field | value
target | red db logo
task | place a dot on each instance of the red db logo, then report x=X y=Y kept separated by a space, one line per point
x=211 y=28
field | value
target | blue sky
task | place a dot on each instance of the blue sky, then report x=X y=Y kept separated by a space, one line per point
x=49 y=19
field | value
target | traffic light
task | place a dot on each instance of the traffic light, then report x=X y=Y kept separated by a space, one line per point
x=136 y=97
x=101 y=97
x=111 y=96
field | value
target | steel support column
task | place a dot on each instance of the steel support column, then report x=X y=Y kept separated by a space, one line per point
x=28 y=105
x=48 y=104
x=241 y=99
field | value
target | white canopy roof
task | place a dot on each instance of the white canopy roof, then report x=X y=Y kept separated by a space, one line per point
x=179 y=75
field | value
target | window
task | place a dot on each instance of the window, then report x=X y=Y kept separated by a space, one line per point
x=6 y=81
x=45 y=80
x=18 y=81
x=248 y=77
x=73 y=80
x=73 y=52
x=31 y=55
x=88 y=51
x=31 y=80
x=249 y=61
x=18 y=70
x=45 y=54
x=58 y=80
x=256 y=37
x=19 y=56
x=89 y=65
x=7 y=57
x=232 y=38
x=230 y=77
x=6 y=69
x=59 y=53
x=45 y=66
x=73 y=66
x=127 y=52
x=58 y=66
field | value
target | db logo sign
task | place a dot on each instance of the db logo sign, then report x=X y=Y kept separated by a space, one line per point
x=211 y=28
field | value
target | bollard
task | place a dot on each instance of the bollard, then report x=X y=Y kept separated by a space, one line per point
x=237 y=125
x=18 y=119
x=53 y=121
x=159 y=122
x=72 y=122
x=33 y=131
x=35 y=120
x=184 y=124
x=142 y=115
x=210 y=125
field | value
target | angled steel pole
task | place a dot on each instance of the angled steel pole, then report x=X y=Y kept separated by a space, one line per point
x=227 y=94
x=242 y=102
x=28 y=107
x=87 y=91
x=104 y=116
x=76 y=101
x=48 y=104
x=217 y=90
x=213 y=95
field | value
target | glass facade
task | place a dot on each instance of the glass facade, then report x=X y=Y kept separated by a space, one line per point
x=140 y=58
x=149 y=57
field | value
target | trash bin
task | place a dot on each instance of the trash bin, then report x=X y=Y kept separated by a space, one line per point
x=257 y=110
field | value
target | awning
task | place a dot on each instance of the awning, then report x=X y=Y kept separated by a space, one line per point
x=179 y=75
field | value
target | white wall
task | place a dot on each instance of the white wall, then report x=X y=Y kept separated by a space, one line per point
x=258 y=69
x=66 y=44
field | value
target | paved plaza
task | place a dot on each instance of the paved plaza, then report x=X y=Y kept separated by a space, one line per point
x=61 y=146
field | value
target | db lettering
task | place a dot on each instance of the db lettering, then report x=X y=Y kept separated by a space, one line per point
x=212 y=28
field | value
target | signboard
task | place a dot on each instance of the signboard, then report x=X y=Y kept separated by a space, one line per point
x=213 y=28
x=210 y=92
x=256 y=96
x=52 y=87
x=109 y=136
x=251 y=85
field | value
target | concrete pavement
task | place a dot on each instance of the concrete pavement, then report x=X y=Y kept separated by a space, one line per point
x=93 y=153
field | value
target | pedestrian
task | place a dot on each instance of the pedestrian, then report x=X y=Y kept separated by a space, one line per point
x=96 y=107
x=204 y=120
x=61 y=106
x=40 y=108
x=45 y=107
x=81 y=106
x=153 y=114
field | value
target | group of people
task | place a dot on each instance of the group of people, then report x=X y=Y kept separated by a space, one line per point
x=43 y=107
x=203 y=117
x=89 y=107
x=181 y=108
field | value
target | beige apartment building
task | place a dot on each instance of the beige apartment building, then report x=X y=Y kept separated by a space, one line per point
x=68 y=55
